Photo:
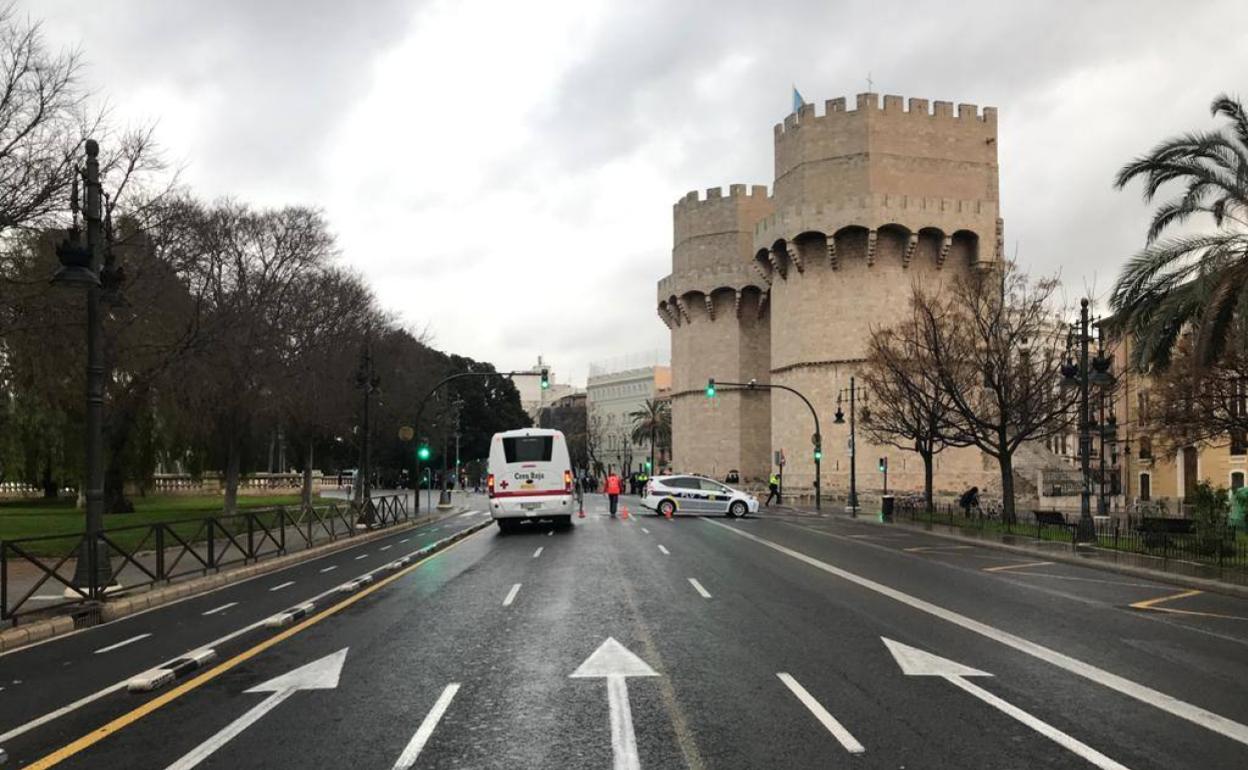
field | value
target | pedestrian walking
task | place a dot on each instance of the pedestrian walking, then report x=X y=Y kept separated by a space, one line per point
x=613 y=491
x=773 y=486
x=969 y=500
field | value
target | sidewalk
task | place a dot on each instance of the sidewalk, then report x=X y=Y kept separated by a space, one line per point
x=1178 y=572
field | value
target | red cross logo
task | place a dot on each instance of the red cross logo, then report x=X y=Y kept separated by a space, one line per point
x=503 y=483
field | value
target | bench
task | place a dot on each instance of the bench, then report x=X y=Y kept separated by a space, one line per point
x=1055 y=518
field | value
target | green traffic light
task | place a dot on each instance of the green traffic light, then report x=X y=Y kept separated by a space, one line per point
x=710 y=388
x=818 y=454
x=423 y=452
x=545 y=379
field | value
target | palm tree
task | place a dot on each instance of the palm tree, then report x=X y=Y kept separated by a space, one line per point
x=1190 y=281
x=653 y=423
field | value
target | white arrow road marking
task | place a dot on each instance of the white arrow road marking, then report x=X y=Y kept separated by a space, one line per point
x=280 y=586
x=613 y=662
x=915 y=662
x=222 y=608
x=320 y=674
x=414 y=746
x=838 y=730
x=122 y=643
x=538 y=552
x=665 y=551
x=698 y=587
x=1168 y=703
x=511 y=595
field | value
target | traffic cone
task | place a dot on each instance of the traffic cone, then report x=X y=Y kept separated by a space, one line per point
x=668 y=514
x=624 y=512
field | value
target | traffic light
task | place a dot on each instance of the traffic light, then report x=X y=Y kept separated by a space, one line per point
x=883 y=466
x=422 y=452
x=545 y=379
x=710 y=388
x=648 y=466
x=818 y=453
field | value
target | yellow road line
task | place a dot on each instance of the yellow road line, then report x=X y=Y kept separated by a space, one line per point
x=1006 y=567
x=123 y=721
x=1149 y=604
x=922 y=548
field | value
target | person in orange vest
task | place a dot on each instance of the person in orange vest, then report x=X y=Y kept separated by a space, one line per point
x=613 y=490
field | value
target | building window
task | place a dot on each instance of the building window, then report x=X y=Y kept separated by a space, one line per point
x=1239 y=442
x=1237 y=480
x=1146 y=448
x=1142 y=410
x=1239 y=399
x=1146 y=487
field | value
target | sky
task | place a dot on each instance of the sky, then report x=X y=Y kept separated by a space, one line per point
x=503 y=173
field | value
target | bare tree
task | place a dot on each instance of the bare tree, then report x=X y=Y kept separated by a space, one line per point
x=997 y=348
x=916 y=412
x=1194 y=403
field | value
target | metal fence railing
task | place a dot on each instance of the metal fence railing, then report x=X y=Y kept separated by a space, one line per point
x=1221 y=547
x=143 y=555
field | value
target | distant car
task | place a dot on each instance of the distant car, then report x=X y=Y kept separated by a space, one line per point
x=668 y=495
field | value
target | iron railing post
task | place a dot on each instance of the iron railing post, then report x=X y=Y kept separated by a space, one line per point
x=251 y=539
x=160 y=551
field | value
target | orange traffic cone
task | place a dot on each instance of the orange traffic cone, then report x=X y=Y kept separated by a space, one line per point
x=668 y=514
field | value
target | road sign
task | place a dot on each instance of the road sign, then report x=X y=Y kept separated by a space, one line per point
x=612 y=661
x=780 y=457
x=406 y=433
x=320 y=674
x=915 y=662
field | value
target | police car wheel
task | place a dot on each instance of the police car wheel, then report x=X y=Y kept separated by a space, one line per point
x=737 y=509
x=667 y=508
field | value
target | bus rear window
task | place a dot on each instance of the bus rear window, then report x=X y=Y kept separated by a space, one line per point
x=528 y=449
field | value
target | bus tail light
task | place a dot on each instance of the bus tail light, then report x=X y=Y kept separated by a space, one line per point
x=567 y=481
x=489 y=484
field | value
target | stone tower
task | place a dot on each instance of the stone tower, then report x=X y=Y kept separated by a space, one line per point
x=867 y=202
x=716 y=307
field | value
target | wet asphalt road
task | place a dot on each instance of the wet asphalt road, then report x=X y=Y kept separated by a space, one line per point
x=451 y=664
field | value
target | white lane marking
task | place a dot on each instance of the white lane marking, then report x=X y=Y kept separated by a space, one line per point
x=361 y=556
x=538 y=552
x=404 y=540
x=427 y=725
x=1008 y=567
x=614 y=662
x=87 y=700
x=385 y=548
x=222 y=608
x=466 y=515
x=1168 y=703
x=511 y=595
x=330 y=568
x=643 y=529
x=926 y=548
x=321 y=674
x=843 y=736
x=122 y=643
x=698 y=587
x=548 y=534
x=665 y=551
x=280 y=586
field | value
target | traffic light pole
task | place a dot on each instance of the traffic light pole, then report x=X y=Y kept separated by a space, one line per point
x=420 y=410
x=817 y=439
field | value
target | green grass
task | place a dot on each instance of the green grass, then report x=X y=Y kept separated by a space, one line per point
x=37 y=518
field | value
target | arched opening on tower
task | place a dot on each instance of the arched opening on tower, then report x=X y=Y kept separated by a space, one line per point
x=780 y=257
x=851 y=243
x=811 y=247
x=763 y=264
x=931 y=241
x=891 y=243
x=964 y=249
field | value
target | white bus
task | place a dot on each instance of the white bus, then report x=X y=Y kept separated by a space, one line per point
x=530 y=477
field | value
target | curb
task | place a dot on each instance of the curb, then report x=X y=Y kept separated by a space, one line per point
x=115 y=609
x=1160 y=576
x=290 y=615
x=175 y=669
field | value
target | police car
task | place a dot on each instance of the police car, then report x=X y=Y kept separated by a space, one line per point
x=697 y=495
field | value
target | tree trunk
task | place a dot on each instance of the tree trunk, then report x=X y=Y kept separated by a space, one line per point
x=1006 y=461
x=927 y=479
x=306 y=495
x=232 y=463
x=115 y=500
x=49 y=483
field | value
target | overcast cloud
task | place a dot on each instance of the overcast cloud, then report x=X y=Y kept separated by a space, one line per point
x=503 y=173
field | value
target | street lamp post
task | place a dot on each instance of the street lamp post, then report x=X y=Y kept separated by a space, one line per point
x=90 y=267
x=852 y=391
x=1083 y=375
x=367 y=381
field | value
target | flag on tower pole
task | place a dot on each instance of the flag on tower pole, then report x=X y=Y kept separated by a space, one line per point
x=798 y=101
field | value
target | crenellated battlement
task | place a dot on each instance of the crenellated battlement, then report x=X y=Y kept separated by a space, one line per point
x=715 y=196
x=868 y=104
